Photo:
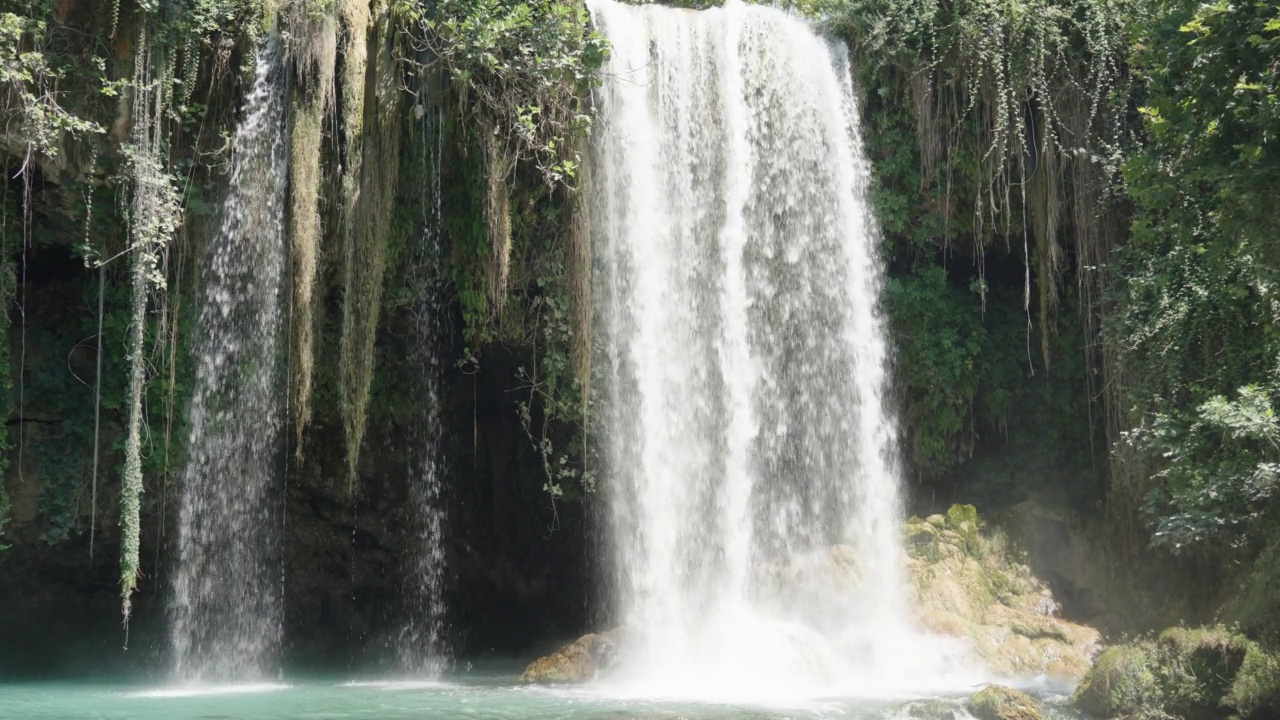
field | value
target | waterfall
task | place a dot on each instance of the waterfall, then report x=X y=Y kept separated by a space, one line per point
x=226 y=616
x=750 y=451
x=422 y=649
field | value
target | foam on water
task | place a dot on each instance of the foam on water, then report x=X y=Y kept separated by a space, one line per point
x=183 y=691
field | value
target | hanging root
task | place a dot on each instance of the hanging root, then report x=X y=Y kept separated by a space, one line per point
x=498 y=217
x=1045 y=209
x=355 y=52
x=579 y=270
x=367 y=234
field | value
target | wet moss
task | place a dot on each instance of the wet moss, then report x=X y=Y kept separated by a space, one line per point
x=996 y=702
x=1121 y=682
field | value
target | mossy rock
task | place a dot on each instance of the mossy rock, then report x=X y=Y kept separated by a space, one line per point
x=1121 y=682
x=1197 y=668
x=1255 y=693
x=957 y=515
x=1188 y=673
x=966 y=585
x=920 y=533
x=996 y=702
x=577 y=662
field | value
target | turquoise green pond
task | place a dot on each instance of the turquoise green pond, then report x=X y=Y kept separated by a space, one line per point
x=488 y=698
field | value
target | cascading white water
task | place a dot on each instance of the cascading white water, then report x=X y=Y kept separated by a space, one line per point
x=751 y=455
x=226 y=616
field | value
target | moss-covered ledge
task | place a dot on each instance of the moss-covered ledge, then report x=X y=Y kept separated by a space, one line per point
x=1194 y=674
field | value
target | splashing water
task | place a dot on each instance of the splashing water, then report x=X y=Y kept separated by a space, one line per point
x=226 y=623
x=751 y=455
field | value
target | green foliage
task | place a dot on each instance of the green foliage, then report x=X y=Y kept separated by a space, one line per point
x=60 y=386
x=994 y=129
x=968 y=378
x=463 y=218
x=940 y=329
x=1195 y=314
x=1211 y=161
x=525 y=67
x=1256 y=605
x=31 y=79
x=554 y=389
x=1121 y=683
x=995 y=94
x=1255 y=693
x=1195 y=674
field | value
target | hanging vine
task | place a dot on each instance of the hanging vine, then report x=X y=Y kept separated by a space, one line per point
x=364 y=256
x=154 y=216
x=1020 y=112
x=313 y=50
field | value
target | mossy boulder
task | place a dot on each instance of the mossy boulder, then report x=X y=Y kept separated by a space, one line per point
x=996 y=702
x=1255 y=692
x=968 y=583
x=1193 y=674
x=1121 y=682
x=577 y=662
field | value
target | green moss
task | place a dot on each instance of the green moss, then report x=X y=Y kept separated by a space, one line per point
x=1255 y=693
x=1190 y=673
x=995 y=702
x=1197 y=668
x=1121 y=682
x=959 y=514
x=1257 y=608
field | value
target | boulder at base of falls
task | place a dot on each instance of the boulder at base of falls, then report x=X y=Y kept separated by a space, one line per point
x=1193 y=674
x=577 y=662
x=996 y=702
x=968 y=583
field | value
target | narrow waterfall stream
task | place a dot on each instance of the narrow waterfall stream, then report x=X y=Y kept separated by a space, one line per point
x=750 y=449
x=422 y=647
x=226 y=617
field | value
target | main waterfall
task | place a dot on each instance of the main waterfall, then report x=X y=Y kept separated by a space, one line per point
x=226 y=622
x=750 y=452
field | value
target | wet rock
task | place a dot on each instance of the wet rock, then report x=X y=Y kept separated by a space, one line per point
x=996 y=702
x=967 y=583
x=932 y=710
x=577 y=662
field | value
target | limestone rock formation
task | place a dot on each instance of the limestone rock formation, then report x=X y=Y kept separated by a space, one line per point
x=968 y=584
x=577 y=662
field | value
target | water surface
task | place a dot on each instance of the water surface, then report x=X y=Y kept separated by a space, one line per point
x=482 y=698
